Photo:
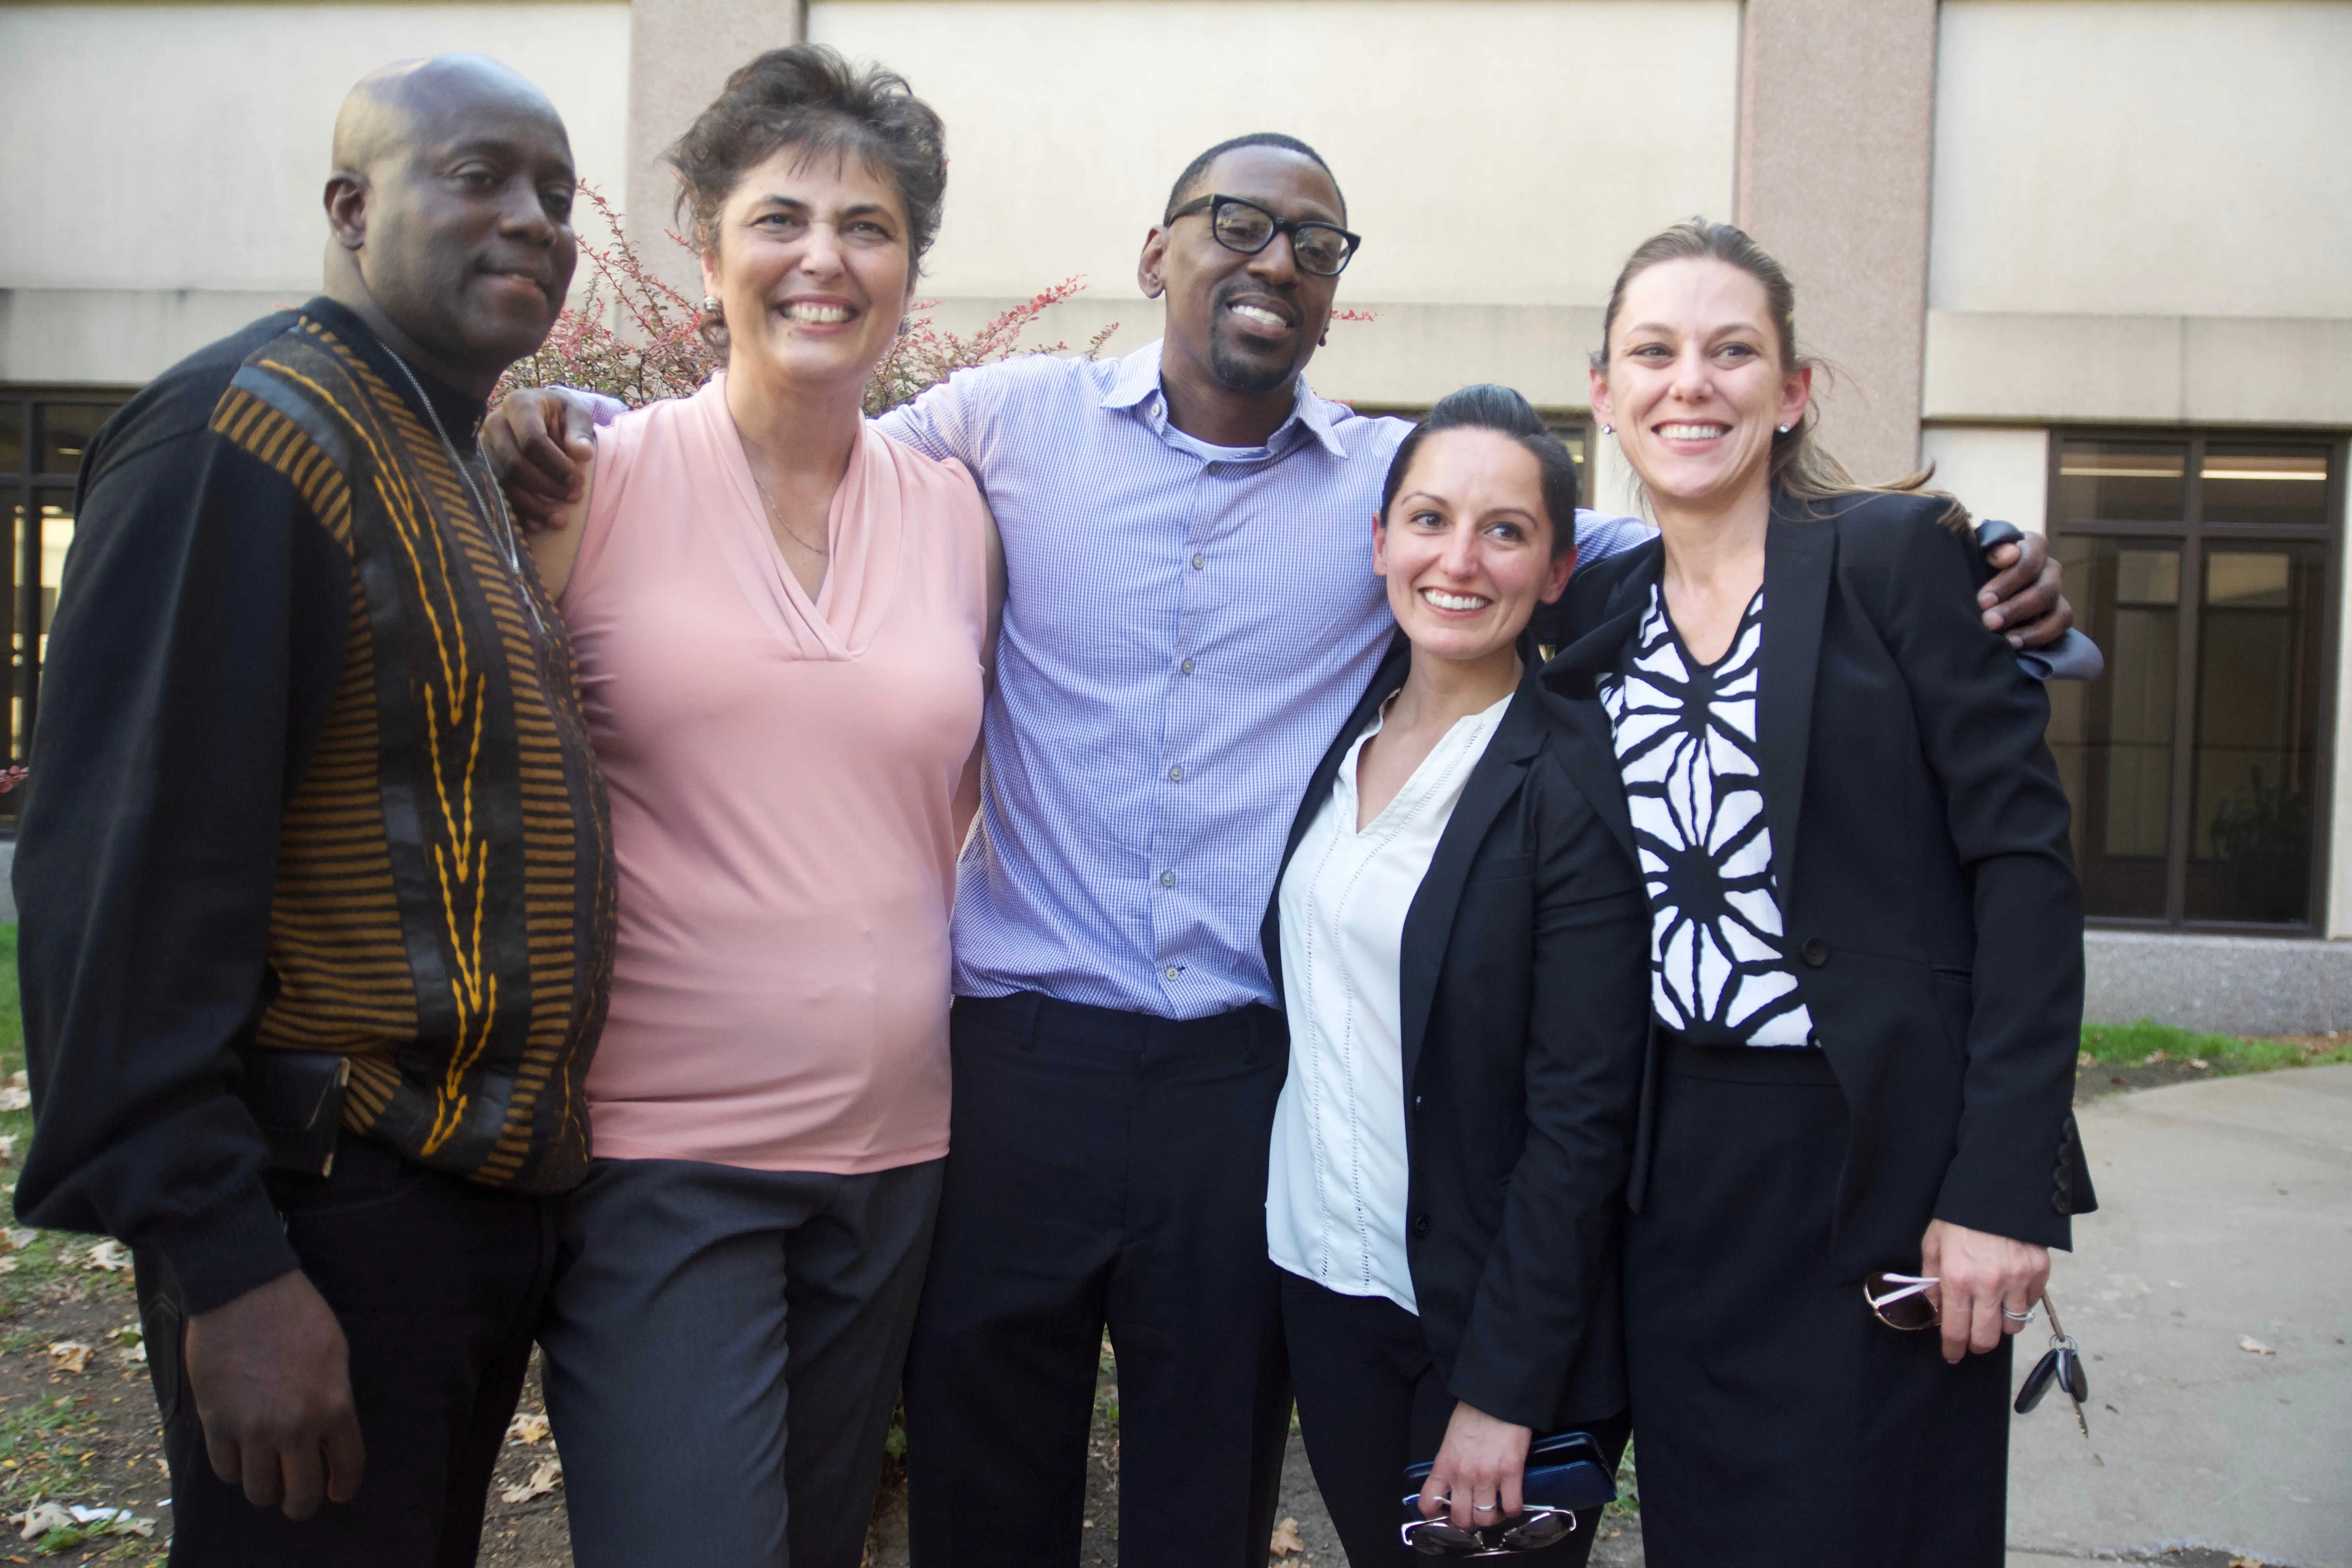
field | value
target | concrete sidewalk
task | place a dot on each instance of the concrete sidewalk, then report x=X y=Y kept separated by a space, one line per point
x=2226 y=1217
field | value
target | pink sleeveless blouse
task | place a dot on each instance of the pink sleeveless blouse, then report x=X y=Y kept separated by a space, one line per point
x=782 y=774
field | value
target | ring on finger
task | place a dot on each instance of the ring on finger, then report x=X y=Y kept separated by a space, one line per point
x=1486 y=1508
x=2019 y=1318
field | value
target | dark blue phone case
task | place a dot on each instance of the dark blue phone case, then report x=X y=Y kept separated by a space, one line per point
x=1565 y=1470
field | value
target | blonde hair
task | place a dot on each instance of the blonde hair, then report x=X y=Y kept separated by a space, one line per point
x=1801 y=467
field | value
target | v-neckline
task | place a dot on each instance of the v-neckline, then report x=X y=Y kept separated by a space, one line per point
x=815 y=610
x=1682 y=649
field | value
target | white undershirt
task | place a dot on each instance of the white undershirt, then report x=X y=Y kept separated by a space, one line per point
x=1335 y=1195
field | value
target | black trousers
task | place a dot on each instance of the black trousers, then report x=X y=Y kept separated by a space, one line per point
x=437 y=1282
x=1370 y=1402
x=1104 y=1168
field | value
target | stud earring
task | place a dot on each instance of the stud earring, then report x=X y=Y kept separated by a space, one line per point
x=711 y=307
x=1784 y=429
x=1609 y=429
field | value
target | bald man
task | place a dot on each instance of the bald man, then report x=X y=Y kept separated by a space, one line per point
x=316 y=873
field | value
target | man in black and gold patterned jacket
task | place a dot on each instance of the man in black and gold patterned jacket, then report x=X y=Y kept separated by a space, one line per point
x=316 y=872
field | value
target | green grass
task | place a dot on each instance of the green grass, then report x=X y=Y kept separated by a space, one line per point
x=2136 y=1045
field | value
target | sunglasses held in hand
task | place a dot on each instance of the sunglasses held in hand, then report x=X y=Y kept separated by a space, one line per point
x=1901 y=1302
x=1565 y=1472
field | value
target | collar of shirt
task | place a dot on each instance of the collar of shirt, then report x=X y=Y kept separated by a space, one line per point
x=1136 y=385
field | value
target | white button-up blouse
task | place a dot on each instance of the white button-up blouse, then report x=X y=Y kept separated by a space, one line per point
x=1335 y=1203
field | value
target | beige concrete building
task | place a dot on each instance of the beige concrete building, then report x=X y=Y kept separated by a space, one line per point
x=2088 y=256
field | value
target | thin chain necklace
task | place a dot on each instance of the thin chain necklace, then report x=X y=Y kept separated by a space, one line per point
x=777 y=515
x=498 y=524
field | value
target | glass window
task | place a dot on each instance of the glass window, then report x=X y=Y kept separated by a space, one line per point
x=43 y=437
x=2141 y=481
x=2194 y=763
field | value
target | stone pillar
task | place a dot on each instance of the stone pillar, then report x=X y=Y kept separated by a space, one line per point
x=1836 y=150
x=680 y=54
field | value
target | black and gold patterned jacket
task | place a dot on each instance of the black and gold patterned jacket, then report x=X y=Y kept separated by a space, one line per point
x=308 y=774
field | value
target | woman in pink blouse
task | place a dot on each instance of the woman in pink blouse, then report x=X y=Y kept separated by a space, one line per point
x=783 y=624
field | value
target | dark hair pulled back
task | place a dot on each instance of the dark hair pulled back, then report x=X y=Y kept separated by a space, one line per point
x=808 y=97
x=1505 y=413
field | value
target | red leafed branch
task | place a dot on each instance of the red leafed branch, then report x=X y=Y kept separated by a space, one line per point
x=923 y=355
x=631 y=336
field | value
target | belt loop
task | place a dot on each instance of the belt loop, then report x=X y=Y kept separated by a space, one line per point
x=1028 y=1005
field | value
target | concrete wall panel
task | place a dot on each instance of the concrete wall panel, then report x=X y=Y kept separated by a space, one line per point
x=2144 y=157
x=2167 y=369
x=1996 y=470
x=1488 y=148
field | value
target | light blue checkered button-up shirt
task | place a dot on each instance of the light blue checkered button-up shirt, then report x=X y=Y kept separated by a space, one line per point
x=1186 y=628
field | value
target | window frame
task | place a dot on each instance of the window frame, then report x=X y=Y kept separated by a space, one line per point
x=2194 y=534
x=26 y=404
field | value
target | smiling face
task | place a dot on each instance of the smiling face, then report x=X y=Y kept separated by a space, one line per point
x=1248 y=323
x=1465 y=546
x=1695 y=382
x=811 y=263
x=452 y=199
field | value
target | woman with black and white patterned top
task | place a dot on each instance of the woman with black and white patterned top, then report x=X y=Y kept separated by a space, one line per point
x=1865 y=954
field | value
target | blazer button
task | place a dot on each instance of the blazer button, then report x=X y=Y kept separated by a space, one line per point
x=1815 y=952
x=1419 y=1225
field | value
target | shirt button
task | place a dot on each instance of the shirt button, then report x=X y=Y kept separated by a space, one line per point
x=1421 y=1224
x=1198 y=561
x=1166 y=879
x=1170 y=971
x=1815 y=952
x=1176 y=775
x=1186 y=667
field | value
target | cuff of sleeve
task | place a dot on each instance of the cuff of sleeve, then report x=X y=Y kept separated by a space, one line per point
x=238 y=1244
x=1504 y=1398
x=1976 y=1206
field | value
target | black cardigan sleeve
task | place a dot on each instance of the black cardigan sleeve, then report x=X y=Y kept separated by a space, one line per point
x=198 y=636
x=1982 y=724
x=1588 y=1025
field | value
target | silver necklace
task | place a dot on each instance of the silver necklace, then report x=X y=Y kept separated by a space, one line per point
x=774 y=512
x=498 y=523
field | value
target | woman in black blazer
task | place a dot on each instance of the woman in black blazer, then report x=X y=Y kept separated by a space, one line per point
x=1866 y=954
x=1458 y=938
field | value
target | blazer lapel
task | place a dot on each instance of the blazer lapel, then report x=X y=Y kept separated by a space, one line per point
x=1798 y=557
x=1385 y=679
x=1429 y=922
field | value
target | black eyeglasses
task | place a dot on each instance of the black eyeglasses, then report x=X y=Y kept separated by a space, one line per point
x=1322 y=248
x=1535 y=1528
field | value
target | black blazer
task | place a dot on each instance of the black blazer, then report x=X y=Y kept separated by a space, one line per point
x=1526 y=1004
x=1921 y=858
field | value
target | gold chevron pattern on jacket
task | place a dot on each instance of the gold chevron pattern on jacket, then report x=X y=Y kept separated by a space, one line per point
x=443 y=907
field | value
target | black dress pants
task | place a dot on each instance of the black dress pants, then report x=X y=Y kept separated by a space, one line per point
x=437 y=1282
x=1370 y=1402
x=1104 y=1168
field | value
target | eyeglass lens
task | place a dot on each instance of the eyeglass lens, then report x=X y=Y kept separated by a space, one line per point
x=1900 y=1302
x=1320 y=248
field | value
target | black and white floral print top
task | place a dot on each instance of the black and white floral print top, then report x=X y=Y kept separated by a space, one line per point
x=1685 y=738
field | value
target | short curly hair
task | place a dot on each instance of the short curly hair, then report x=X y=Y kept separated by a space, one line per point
x=807 y=96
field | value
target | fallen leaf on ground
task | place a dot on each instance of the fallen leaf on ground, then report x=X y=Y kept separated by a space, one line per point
x=2248 y=1342
x=18 y=1237
x=7 y=1145
x=69 y=1355
x=1286 y=1541
x=2199 y=1063
x=544 y=1480
x=527 y=1427
x=2245 y=1563
x=14 y=1098
x=118 y=1521
x=41 y=1518
x=109 y=1257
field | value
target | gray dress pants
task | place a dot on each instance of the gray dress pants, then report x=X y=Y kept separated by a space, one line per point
x=723 y=1349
